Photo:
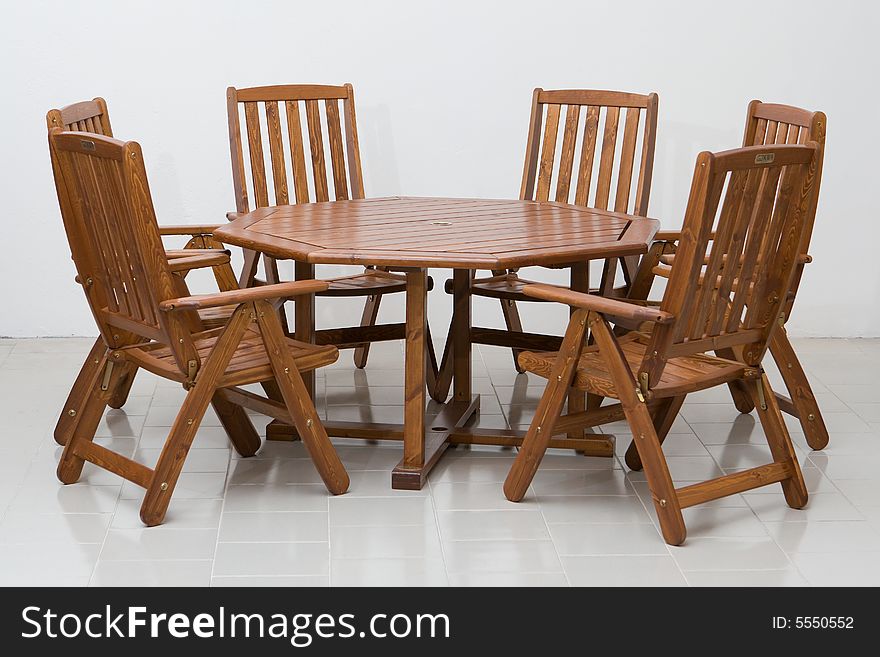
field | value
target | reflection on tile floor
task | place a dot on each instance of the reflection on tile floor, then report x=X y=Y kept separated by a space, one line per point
x=585 y=522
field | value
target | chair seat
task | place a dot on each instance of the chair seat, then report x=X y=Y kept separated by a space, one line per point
x=249 y=363
x=370 y=281
x=216 y=317
x=506 y=286
x=682 y=374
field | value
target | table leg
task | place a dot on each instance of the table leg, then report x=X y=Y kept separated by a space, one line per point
x=577 y=399
x=461 y=330
x=304 y=318
x=414 y=375
x=423 y=447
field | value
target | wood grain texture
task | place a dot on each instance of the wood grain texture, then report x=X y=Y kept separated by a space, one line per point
x=423 y=232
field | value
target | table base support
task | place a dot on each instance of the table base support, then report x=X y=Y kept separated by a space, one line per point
x=600 y=445
x=452 y=416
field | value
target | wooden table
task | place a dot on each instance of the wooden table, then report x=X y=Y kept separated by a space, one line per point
x=411 y=235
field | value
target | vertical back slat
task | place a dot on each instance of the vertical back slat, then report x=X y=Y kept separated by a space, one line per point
x=352 y=146
x=646 y=166
x=749 y=268
x=588 y=154
x=627 y=160
x=337 y=155
x=760 y=133
x=566 y=157
x=316 y=144
x=102 y=235
x=682 y=289
x=758 y=298
x=255 y=148
x=297 y=152
x=781 y=133
x=548 y=152
x=732 y=266
x=606 y=159
x=533 y=144
x=706 y=292
x=770 y=133
x=276 y=151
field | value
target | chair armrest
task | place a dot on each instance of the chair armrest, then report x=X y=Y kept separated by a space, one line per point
x=598 y=304
x=198 y=261
x=232 y=216
x=672 y=236
x=234 y=297
x=188 y=253
x=667 y=236
x=193 y=231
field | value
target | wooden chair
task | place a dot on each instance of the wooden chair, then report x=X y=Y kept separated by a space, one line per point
x=129 y=284
x=727 y=292
x=589 y=169
x=317 y=108
x=766 y=123
x=199 y=251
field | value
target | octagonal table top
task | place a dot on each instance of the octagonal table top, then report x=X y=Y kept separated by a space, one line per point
x=439 y=232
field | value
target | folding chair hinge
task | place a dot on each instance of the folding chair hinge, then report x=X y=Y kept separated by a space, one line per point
x=642 y=391
x=762 y=401
x=192 y=368
x=108 y=371
x=782 y=319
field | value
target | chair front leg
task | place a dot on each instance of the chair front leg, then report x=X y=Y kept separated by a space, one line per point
x=647 y=443
x=662 y=416
x=368 y=318
x=299 y=403
x=186 y=424
x=540 y=431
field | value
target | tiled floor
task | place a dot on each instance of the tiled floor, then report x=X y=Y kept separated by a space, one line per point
x=585 y=522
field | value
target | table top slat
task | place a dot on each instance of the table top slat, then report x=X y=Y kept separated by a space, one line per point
x=439 y=232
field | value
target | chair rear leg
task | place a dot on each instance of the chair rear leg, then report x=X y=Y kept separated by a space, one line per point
x=779 y=440
x=119 y=394
x=82 y=387
x=238 y=425
x=662 y=416
x=175 y=451
x=514 y=325
x=368 y=318
x=549 y=408
x=802 y=397
x=739 y=391
x=299 y=403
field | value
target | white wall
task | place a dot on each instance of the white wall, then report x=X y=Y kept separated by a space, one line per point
x=443 y=92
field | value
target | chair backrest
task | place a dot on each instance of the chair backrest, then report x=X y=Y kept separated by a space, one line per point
x=585 y=167
x=269 y=113
x=771 y=123
x=114 y=240
x=85 y=116
x=727 y=292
